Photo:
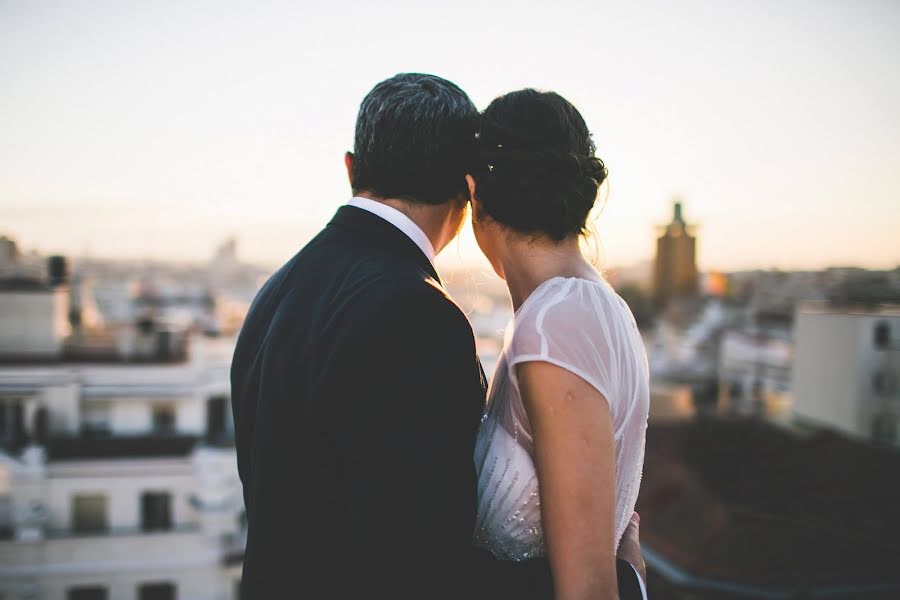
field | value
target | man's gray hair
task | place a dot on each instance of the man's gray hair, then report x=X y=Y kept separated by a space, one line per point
x=413 y=140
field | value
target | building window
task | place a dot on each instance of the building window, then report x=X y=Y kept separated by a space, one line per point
x=882 y=336
x=884 y=429
x=163 y=418
x=216 y=419
x=91 y=592
x=156 y=591
x=40 y=426
x=89 y=513
x=95 y=419
x=884 y=383
x=156 y=511
x=12 y=423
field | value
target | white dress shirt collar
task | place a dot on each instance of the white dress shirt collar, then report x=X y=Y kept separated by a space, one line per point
x=398 y=220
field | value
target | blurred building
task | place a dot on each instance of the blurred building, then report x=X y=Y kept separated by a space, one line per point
x=772 y=295
x=675 y=270
x=671 y=402
x=9 y=253
x=14 y=263
x=755 y=372
x=118 y=476
x=679 y=351
x=847 y=369
x=34 y=318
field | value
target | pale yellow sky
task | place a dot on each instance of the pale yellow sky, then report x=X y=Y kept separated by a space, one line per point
x=156 y=129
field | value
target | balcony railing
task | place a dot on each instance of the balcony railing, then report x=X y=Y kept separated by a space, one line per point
x=145 y=446
x=121 y=532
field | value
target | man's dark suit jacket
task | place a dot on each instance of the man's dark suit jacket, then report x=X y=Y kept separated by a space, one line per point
x=357 y=394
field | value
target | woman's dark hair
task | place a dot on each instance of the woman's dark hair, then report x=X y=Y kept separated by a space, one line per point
x=413 y=139
x=535 y=165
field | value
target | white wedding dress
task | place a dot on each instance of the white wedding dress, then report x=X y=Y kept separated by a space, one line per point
x=584 y=327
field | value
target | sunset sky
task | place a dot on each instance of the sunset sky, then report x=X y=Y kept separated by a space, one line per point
x=156 y=129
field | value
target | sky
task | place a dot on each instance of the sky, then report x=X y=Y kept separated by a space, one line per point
x=157 y=129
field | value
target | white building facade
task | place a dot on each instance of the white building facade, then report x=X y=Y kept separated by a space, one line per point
x=119 y=480
x=847 y=369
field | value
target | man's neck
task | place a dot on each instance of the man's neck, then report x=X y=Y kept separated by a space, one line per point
x=431 y=219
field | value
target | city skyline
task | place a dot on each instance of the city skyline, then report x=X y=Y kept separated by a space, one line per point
x=145 y=131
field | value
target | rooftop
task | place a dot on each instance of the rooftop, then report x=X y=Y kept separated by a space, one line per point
x=862 y=310
x=752 y=504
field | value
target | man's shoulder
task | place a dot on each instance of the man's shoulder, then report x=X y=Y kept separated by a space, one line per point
x=360 y=286
x=412 y=295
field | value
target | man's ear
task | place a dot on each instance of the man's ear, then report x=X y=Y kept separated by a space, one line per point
x=348 y=162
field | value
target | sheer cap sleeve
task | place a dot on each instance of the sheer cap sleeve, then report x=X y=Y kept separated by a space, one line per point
x=582 y=326
x=585 y=328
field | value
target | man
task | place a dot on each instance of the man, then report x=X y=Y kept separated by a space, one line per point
x=356 y=388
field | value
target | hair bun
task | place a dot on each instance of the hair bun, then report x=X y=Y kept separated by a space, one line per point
x=593 y=167
x=535 y=165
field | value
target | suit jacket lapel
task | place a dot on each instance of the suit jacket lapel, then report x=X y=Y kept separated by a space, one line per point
x=484 y=379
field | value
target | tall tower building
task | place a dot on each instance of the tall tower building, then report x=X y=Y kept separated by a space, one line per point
x=675 y=271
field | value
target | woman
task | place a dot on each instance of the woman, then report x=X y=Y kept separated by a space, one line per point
x=568 y=403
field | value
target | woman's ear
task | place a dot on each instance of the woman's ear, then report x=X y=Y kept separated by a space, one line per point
x=470 y=181
x=348 y=162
